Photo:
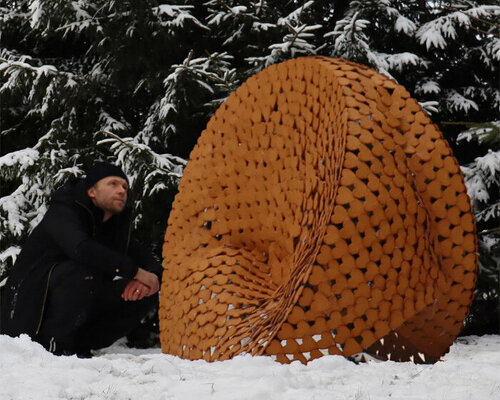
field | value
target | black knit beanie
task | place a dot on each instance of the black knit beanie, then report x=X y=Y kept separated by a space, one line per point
x=102 y=170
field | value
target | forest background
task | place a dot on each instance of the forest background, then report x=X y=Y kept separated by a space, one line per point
x=135 y=82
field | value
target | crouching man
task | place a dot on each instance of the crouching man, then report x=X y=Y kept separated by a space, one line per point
x=81 y=282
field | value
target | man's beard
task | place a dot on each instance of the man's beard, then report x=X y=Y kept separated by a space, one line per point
x=113 y=208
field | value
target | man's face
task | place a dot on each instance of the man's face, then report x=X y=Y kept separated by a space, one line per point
x=110 y=195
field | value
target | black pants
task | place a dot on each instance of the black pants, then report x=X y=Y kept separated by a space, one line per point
x=84 y=311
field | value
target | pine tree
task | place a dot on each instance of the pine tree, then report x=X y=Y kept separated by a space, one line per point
x=70 y=88
x=446 y=54
x=482 y=177
x=135 y=82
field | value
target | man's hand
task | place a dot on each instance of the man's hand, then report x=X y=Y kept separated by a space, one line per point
x=135 y=290
x=149 y=279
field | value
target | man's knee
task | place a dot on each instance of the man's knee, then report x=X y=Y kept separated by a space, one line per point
x=72 y=288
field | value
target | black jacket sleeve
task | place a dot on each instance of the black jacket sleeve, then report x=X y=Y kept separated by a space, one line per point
x=68 y=231
x=144 y=258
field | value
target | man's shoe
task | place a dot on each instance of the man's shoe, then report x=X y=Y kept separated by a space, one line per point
x=84 y=354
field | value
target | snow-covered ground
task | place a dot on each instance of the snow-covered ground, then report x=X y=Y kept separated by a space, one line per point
x=471 y=370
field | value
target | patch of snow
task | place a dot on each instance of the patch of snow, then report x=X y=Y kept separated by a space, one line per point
x=296 y=14
x=459 y=102
x=20 y=158
x=405 y=25
x=36 y=13
x=27 y=371
x=431 y=36
x=263 y=26
x=11 y=252
x=428 y=87
x=13 y=205
x=171 y=11
x=400 y=60
x=476 y=187
x=429 y=106
x=238 y=9
x=490 y=164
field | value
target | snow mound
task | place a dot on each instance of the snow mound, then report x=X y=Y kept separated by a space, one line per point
x=27 y=371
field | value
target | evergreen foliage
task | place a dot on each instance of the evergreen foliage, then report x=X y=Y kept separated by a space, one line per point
x=134 y=82
x=482 y=177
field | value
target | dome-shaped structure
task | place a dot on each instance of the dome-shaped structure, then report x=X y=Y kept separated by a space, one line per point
x=321 y=212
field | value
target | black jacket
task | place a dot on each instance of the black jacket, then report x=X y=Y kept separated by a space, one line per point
x=72 y=229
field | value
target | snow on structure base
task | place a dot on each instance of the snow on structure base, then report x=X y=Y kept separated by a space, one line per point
x=321 y=212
